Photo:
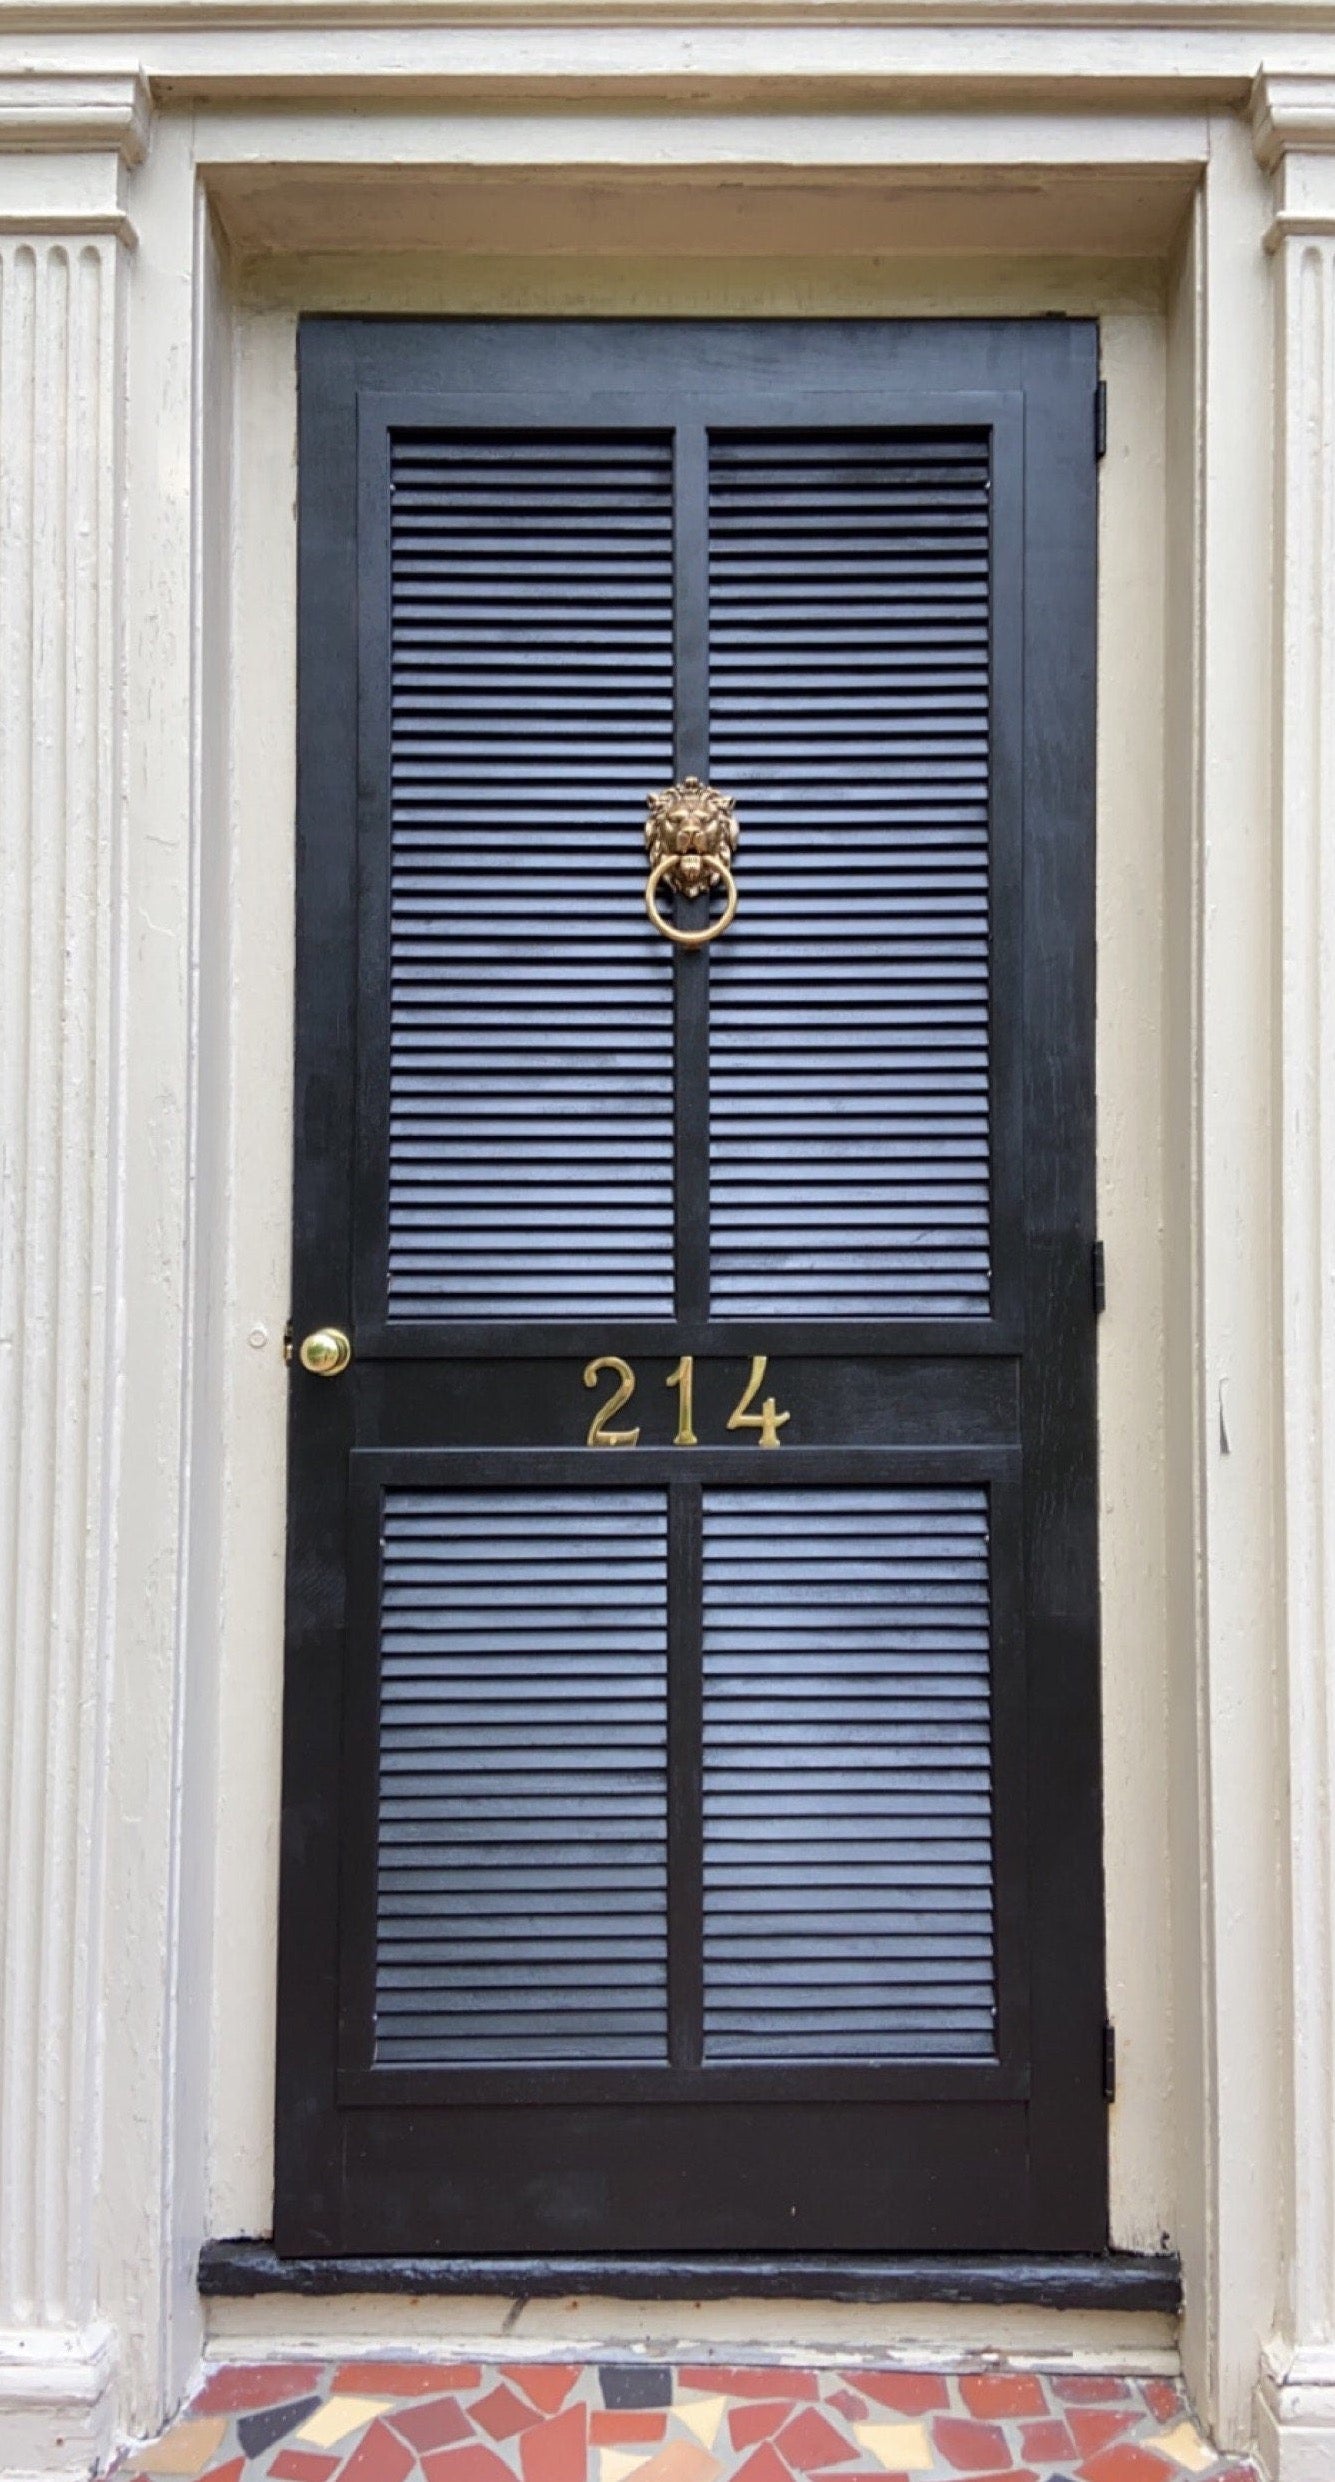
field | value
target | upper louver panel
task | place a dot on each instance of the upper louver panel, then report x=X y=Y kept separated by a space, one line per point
x=531 y=1113
x=850 y=608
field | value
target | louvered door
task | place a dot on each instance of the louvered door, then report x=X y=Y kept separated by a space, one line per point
x=691 y=1775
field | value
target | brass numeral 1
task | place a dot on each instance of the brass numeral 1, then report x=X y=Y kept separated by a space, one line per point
x=769 y=1421
x=599 y=1435
x=683 y=1379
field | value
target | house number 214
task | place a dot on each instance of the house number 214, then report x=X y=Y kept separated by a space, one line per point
x=767 y=1424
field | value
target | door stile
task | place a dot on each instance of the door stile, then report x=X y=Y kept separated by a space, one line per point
x=685 y=1784
x=690 y=560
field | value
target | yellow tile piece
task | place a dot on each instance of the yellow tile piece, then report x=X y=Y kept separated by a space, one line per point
x=1186 y=2447
x=902 y=2447
x=185 y=2450
x=615 y=2463
x=703 y=2416
x=340 y=2417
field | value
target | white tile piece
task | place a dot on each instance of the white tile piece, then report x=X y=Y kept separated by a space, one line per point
x=340 y=2417
x=902 y=2447
x=1186 y=2447
x=615 y=2463
x=703 y=2416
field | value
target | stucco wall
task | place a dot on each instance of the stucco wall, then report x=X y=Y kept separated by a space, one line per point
x=220 y=169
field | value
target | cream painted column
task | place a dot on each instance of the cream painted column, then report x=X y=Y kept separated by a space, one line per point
x=1294 y=126
x=66 y=146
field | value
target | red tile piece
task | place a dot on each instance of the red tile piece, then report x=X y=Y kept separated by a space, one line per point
x=379 y=2457
x=1166 y=2401
x=545 y=2383
x=762 y=2465
x=619 y=2430
x=971 y=2447
x=502 y=2413
x=809 y=2443
x=1046 y=2442
x=299 y=2465
x=1094 y=2428
x=1000 y=2395
x=716 y=2382
x=905 y=2391
x=1091 y=2387
x=749 y=2422
x=437 y=2423
x=471 y=2464
x=558 y=2450
x=842 y=2400
x=230 y=2472
x=1126 y=2463
x=405 y=2378
x=247 y=2387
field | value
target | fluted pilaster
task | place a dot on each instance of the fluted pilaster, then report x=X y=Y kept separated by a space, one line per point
x=1294 y=120
x=61 y=416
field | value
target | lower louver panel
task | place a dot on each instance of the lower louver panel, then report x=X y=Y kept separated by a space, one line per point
x=522 y=1863
x=847 y=1794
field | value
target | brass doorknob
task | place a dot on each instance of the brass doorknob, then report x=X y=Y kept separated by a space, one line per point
x=325 y=1352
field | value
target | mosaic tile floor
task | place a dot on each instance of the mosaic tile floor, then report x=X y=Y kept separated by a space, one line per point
x=421 y=2421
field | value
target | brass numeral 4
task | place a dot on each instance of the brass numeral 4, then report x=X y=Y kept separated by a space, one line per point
x=769 y=1421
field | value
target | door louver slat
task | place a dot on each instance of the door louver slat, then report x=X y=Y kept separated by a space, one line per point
x=848 y=1866
x=522 y=1838
x=530 y=1004
x=849 y=674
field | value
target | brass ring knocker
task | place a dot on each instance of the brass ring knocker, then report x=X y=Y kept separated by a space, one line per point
x=691 y=834
x=719 y=875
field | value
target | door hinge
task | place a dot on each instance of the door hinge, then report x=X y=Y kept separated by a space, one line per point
x=287 y=1342
x=1098 y=1276
x=1101 y=419
x=1110 y=2063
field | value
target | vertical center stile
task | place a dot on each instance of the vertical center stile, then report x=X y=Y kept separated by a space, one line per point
x=690 y=504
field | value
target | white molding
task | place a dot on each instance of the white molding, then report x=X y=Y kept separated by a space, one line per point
x=61 y=426
x=1295 y=2414
x=1293 y=132
x=315 y=16
x=1291 y=112
x=68 y=143
x=75 y=111
x=56 y=2399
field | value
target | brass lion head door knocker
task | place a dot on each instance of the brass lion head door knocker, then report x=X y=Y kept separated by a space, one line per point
x=691 y=835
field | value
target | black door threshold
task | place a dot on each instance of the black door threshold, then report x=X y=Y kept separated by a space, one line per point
x=235 y=2270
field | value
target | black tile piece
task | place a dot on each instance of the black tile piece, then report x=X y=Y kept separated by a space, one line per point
x=628 y=2385
x=257 y=2431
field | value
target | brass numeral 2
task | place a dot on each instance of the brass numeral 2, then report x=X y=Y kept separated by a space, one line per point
x=767 y=1423
x=599 y=1435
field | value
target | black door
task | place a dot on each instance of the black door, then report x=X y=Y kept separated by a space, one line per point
x=692 y=1825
